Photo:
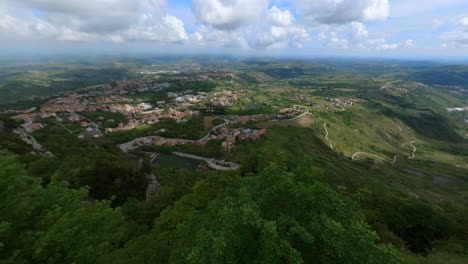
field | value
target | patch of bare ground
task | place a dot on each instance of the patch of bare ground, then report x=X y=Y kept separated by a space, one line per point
x=208 y=122
x=303 y=121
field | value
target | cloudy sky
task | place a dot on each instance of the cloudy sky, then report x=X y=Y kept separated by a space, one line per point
x=300 y=28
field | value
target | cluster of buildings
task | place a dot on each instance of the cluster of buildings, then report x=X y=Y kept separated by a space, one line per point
x=225 y=98
x=74 y=102
x=125 y=87
x=154 y=116
x=202 y=99
x=229 y=138
x=284 y=114
x=338 y=103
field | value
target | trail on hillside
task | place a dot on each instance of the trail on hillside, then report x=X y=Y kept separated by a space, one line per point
x=370 y=154
x=399 y=128
x=395 y=158
x=326 y=135
x=414 y=149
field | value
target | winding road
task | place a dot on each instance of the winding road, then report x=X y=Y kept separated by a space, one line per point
x=359 y=153
x=213 y=163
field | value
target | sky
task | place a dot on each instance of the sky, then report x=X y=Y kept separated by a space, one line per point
x=295 y=28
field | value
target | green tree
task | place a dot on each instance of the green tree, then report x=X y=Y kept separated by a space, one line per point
x=53 y=224
x=269 y=218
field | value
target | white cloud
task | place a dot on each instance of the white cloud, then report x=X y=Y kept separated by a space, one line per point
x=458 y=37
x=10 y=25
x=322 y=36
x=92 y=16
x=278 y=17
x=382 y=44
x=229 y=14
x=333 y=40
x=150 y=28
x=359 y=37
x=208 y=36
x=464 y=22
x=280 y=32
x=337 y=42
x=437 y=23
x=277 y=31
x=455 y=38
x=358 y=31
x=281 y=37
x=86 y=20
x=343 y=11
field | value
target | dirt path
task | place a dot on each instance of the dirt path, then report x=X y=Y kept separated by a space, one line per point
x=399 y=128
x=326 y=135
x=299 y=116
x=414 y=149
x=372 y=155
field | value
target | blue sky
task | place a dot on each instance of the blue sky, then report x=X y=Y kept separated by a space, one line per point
x=299 y=28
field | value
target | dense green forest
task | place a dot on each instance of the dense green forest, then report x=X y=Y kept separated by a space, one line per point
x=277 y=215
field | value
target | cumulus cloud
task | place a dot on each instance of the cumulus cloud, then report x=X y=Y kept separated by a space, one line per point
x=343 y=11
x=359 y=37
x=277 y=31
x=281 y=37
x=464 y=23
x=458 y=37
x=278 y=17
x=229 y=14
x=99 y=16
x=358 y=31
x=85 y=20
x=280 y=31
x=382 y=44
x=221 y=38
x=151 y=28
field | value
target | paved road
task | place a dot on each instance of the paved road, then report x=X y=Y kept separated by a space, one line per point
x=213 y=163
x=30 y=140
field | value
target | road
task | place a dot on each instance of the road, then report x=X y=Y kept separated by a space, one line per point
x=30 y=140
x=299 y=116
x=137 y=142
x=213 y=163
